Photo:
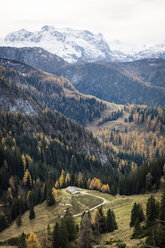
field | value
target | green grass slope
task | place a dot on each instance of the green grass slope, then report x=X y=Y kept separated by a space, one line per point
x=48 y=215
x=121 y=205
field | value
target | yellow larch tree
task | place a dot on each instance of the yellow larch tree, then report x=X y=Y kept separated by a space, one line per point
x=61 y=179
x=54 y=193
x=26 y=176
x=29 y=160
x=23 y=161
x=56 y=185
x=92 y=184
x=9 y=194
x=105 y=188
x=89 y=182
x=32 y=241
x=98 y=183
x=67 y=179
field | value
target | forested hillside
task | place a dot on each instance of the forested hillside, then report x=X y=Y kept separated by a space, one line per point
x=33 y=152
x=40 y=153
x=51 y=91
x=139 y=82
x=133 y=133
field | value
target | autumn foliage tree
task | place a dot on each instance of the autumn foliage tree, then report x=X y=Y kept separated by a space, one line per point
x=32 y=241
x=96 y=183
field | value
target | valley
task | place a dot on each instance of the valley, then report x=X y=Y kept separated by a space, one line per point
x=74 y=112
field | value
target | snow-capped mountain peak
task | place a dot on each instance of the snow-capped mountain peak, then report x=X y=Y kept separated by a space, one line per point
x=72 y=45
x=82 y=45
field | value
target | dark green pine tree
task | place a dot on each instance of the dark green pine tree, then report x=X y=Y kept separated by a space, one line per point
x=28 y=183
x=32 y=213
x=50 y=199
x=102 y=221
x=151 y=211
x=49 y=238
x=56 y=236
x=114 y=220
x=70 y=224
x=22 y=241
x=85 y=238
x=19 y=220
x=140 y=213
x=64 y=240
x=113 y=190
x=156 y=223
x=136 y=214
x=111 y=224
x=77 y=228
x=133 y=215
x=137 y=230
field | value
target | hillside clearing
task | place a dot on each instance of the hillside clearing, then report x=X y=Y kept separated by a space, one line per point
x=121 y=205
x=48 y=215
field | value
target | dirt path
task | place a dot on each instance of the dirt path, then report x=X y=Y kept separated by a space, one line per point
x=99 y=205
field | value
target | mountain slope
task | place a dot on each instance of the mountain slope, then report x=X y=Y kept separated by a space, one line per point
x=34 y=56
x=140 y=82
x=14 y=98
x=151 y=71
x=53 y=92
x=49 y=126
x=72 y=45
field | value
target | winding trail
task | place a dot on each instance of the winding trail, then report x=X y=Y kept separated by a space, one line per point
x=99 y=205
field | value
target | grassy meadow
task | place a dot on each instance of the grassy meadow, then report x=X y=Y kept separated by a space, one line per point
x=121 y=205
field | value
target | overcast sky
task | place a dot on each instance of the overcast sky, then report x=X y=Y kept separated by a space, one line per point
x=138 y=21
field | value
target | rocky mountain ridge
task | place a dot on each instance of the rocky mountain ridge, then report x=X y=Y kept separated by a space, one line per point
x=82 y=45
x=72 y=45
